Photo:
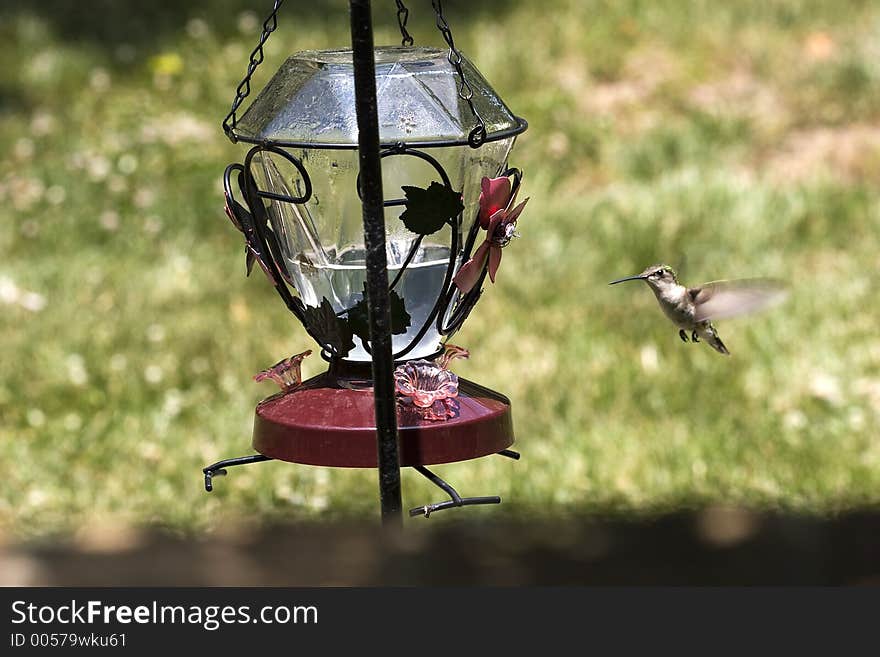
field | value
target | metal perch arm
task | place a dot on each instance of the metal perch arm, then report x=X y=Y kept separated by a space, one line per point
x=218 y=469
x=457 y=500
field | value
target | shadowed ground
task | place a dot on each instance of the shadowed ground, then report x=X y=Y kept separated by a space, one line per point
x=715 y=546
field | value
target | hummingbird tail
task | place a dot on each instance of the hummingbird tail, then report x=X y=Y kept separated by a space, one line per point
x=710 y=335
x=718 y=346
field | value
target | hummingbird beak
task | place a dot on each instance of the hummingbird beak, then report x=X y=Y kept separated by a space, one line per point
x=628 y=278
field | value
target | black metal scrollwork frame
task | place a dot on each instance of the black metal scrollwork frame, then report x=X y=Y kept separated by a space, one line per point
x=263 y=241
x=253 y=221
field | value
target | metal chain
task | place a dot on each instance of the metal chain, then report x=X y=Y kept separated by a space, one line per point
x=402 y=17
x=256 y=58
x=477 y=135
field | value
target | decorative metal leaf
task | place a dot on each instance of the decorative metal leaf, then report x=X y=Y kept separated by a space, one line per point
x=332 y=333
x=428 y=209
x=359 y=321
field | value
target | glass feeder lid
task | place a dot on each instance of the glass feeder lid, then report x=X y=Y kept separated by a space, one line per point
x=310 y=100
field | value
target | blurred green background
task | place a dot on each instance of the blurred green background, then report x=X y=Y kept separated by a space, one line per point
x=726 y=139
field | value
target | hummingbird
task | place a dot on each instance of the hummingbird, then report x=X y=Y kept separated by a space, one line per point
x=692 y=309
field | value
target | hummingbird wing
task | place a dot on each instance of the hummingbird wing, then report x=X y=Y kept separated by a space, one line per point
x=722 y=299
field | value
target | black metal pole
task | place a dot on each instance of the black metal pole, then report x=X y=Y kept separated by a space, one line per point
x=377 y=271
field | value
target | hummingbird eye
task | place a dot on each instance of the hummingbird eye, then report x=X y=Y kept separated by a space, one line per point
x=659 y=272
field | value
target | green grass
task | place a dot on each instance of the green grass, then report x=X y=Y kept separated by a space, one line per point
x=727 y=139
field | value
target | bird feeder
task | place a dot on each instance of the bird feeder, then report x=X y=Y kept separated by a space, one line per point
x=380 y=306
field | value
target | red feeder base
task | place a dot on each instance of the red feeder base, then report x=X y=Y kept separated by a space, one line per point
x=330 y=420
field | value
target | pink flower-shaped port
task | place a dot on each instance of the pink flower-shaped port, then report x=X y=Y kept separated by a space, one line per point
x=422 y=383
x=286 y=373
x=498 y=217
x=443 y=409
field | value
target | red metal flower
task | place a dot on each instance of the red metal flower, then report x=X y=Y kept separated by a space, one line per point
x=498 y=217
x=495 y=195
